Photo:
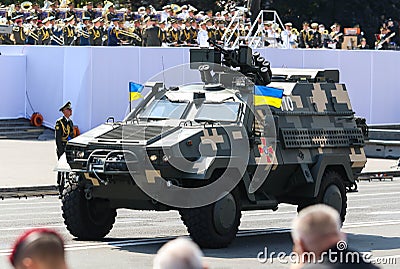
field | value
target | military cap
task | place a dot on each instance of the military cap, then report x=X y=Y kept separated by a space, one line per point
x=67 y=105
x=166 y=7
x=34 y=18
x=154 y=19
x=192 y=8
x=173 y=21
x=18 y=20
x=52 y=18
x=202 y=23
x=89 y=4
x=306 y=23
x=17 y=4
x=141 y=9
x=333 y=26
x=115 y=19
x=71 y=4
x=51 y=4
x=16 y=17
x=86 y=18
x=162 y=22
x=184 y=7
x=96 y=20
x=289 y=24
x=314 y=25
x=45 y=20
x=29 y=18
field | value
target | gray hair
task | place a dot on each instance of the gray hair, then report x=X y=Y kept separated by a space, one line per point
x=316 y=221
x=180 y=253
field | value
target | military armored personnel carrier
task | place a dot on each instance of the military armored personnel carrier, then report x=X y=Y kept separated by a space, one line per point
x=217 y=147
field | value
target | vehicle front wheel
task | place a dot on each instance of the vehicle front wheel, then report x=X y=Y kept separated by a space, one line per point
x=332 y=192
x=86 y=219
x=214 y=225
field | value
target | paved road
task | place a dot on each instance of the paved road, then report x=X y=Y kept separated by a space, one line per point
x=372 y=225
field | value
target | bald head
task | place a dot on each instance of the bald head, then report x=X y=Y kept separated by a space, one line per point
x=317 y=228
x=180 y=253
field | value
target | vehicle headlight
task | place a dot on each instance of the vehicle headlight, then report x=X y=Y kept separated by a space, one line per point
x=79 y=154
x=153 y=158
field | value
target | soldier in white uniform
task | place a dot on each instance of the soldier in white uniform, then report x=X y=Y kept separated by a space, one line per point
x=287 y=37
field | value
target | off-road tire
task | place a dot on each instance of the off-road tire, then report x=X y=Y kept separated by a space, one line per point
x=202 y=229
x=329 y=178
x=80 y=214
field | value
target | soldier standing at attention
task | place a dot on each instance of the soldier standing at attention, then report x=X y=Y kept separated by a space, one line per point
x=64 y=129
x=96 y=34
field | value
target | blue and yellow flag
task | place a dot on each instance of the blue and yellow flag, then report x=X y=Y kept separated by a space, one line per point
x=135 y=90
x=264 y=95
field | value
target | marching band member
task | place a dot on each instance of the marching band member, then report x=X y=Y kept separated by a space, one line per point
x=314 y=36
x=363 y=45
x=324 y=36
x=304 y=36
x=96 y=33
x=287 y=37
x=19 y=33
x=202 y=36
x=89 y=12
x=69 y=32
x=138 y=32
x=111 y=14
x=32 y=37
x=71 y=12
x=152 y=35
x=173 y=33
x=186 y=33
x=163 y=33
x=194 y=29
x=112 y=33
x=45 y=32
x=165 y=13
x=83 y=32
x=336 y=37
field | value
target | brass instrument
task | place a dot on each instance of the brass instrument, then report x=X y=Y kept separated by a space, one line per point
x=58 y=40
x=295 y=31
x=83 y=33
x=175 y=8
x=29 y=32
x=10 y=10
x=26 y=6
x=129 y=34
x=107 y=5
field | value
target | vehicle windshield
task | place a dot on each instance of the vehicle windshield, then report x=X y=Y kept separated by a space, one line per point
x=163 y=109
x=227 y=111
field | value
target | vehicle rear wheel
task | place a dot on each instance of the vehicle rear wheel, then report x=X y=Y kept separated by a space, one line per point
x=86 y=219
x=215 y=225
x=332 y=192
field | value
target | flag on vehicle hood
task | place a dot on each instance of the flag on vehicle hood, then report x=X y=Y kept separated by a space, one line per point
x=264 y=95
x=135 y=90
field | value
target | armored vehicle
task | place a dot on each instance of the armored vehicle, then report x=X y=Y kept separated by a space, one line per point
x=238 y=136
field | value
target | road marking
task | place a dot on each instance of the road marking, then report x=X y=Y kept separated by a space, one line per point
x=383 y=212
x=356 y=194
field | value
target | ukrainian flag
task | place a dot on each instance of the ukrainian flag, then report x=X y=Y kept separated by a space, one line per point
x=135 y=90
x=264 y=95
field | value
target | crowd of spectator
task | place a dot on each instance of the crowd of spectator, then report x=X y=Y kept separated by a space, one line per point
x=103 y=25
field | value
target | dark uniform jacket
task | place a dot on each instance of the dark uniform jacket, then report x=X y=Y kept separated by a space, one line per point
x=70 y=13
x=111 y=16
x=186 y=35
x=69 y=34
x=96 y=36
x=151 y=37
x=315 y=39
x=304 y=39
x=173 y=36
x=19 y=35
x=90 y=13
x=112 y=38
x=29 y=39
x=64 y=132
x=44 y=36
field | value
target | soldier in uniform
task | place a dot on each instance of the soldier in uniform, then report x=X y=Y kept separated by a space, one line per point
x=152 y=35
x=32 y=31
x=89 y=11
x=186 y=33
x=111 y=14
x=84 y=39
x=17 y=11
x=69 y=32
x=18 y=32
x=138 y=32
x=163 y=33
x=112 y=33
x=45 y=32
x=129 y=15
x=64 y=129
x=57 y=32
x=173 y=34
x=315 y=36
x=194 y=29
x=304 y=36
x=96 y=34
x=70 y=12
x=219 y=32
x=210 y=28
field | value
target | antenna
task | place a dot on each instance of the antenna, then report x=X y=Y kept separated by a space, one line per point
x=163 y=69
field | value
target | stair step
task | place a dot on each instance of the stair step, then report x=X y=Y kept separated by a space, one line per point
x=19 y=128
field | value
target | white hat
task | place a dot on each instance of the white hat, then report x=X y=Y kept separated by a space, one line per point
x=184 y=7
x=166 y=7
x=289 y=24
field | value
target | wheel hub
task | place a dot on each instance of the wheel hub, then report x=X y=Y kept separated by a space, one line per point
x=225 y=214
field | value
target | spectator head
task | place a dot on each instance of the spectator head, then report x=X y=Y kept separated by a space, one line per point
x=363 y=41
x=38 y=249
x=180 y=253
x=305 y=25
x=316 y=229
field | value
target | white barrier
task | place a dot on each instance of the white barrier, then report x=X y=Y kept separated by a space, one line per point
x=96 y=79
x=12 y=86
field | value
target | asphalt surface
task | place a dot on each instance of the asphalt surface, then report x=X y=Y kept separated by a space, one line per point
x=372 y=225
